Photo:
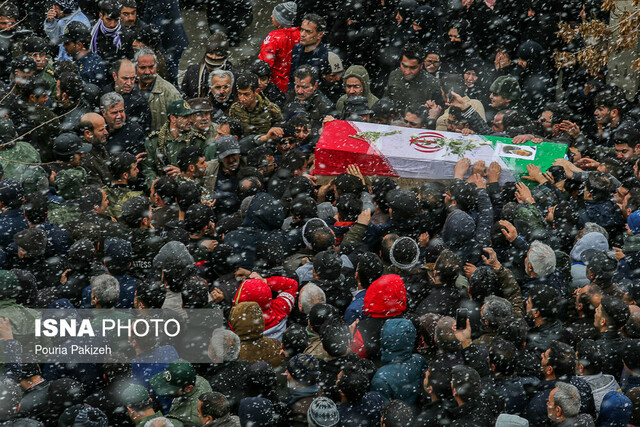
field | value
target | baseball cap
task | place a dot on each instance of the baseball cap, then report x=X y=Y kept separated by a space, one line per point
x=68 y=144
x=601 y=263
x=227 y=145
x=179 y=108
x=76 y=31
x=179 y=374
x=134 y=393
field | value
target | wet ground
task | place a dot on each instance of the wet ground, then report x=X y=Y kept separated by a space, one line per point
x=195 y=23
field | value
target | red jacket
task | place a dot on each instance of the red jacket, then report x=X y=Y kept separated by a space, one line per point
x=276 y=51
x=385 y=298
x=274 y=310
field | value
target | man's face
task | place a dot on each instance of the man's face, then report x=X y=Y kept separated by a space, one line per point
x=146 y=69
x=7 y=24
x=432 y=63
x=58 y=10
x=544 y=360
x=284 y=145
x=125 y=79
x=204 y=420
x=202 y=121
x=498 y=101
x=529 y=307
x=70 y=48
x=602 y=115
x=108 y=21
x=302 y=132
x=497 y=125
x=333 y=77
x=40 y=58
x=41 y=99
x=100 y=131
x=268 y=169
x=454 y=125
x=77 y=159
x=133 y=173
x=304 y=89
x=223 y=130
x=309 y=34
x=231 y=162
x=354 y=87
x=115 y=116
x=579 y=293
x=410 y=68
x=454 y=35
x=551 y=406
x=470 y=78
x=263 y=82
x=621 y=195
x=545 y=121
x=412 y=120
x=597 y=317
x=201 y=167
x=128 y=15
x=183 y=123
x=248 y=98
x=221 y=88
x=105 y=203
x=624 y=153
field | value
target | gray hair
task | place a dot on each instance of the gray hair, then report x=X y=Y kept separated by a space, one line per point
x=159 y=422
x=109 y=100
x=224 y=346
x=567 y=397
x=244 y=205
x=496 y=310
x=221 y=73
x=106 y=289
x=542 y=259
x=310 y=295
x=142 y=52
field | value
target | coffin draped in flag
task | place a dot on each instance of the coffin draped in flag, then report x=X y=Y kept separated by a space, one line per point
x=421 y=153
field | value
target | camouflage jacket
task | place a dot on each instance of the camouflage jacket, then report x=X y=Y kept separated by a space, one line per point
x=162 y=150
x=260 y=120
x=20 y=151
x=117 y=195
x=206 y=194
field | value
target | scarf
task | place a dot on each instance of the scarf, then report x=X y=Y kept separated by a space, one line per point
x=114 y=33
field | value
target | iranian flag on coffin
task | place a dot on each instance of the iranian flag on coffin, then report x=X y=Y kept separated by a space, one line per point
x=421 y=153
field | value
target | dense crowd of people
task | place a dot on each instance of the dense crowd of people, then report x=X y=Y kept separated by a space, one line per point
x=129 y=183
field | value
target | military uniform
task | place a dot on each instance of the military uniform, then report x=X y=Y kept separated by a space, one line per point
x=162 y=150
x=117 y=195
x=17 y=150
x=27 y=117
x=257 y=122
x=92 y=70
x=49 y=76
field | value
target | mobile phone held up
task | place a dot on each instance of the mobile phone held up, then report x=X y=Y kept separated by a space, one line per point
x=461 y=318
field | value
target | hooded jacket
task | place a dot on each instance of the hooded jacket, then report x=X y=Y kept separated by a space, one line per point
x=601 y=384
x=360 y=73
x=276 y=51
x=593 y=240
x=247 y=321
x=275 y=310
x=385 y=298
x=401 y=376
x=263 y=220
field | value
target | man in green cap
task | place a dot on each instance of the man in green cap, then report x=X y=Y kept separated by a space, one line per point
x=504 y=93
x=11 y=150
x=181 y=382
x=22 y=318
x=140 y=407
x=162 y=147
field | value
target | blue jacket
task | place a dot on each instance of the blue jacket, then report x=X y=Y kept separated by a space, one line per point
x=401 y=376
x=363 y=413
x=263 y=221
x=536 y=410
x=11 y=222
x=354 y=311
